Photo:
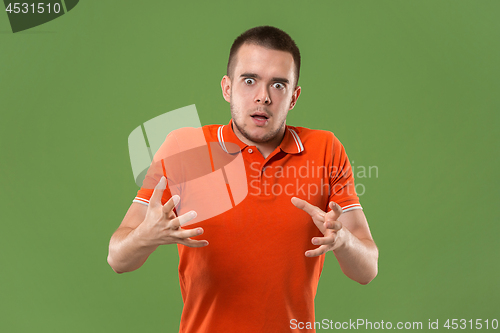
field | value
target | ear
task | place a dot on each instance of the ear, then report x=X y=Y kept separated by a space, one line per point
x=295 y=97
x=225 y=84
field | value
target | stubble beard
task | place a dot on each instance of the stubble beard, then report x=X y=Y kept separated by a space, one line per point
x=266 y=138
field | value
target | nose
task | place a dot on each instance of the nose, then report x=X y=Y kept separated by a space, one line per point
x=263 y=96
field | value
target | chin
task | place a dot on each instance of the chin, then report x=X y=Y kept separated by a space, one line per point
x=260 y=138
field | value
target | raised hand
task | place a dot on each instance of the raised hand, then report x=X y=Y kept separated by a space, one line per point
x=327 y=223
x=161 y=226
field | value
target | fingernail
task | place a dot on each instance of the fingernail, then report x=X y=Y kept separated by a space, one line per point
x=162 y=182
x=176 y=199
x=193 y=214
x=199 y=231
x=315 y=241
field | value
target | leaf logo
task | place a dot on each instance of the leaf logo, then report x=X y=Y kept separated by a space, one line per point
x=28 y=14
x=209 y=177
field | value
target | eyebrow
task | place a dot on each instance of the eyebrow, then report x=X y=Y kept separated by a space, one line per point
x=256 y=76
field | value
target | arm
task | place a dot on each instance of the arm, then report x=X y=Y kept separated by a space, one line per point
x=143 y=229
x=348 y=236
x=126 y=252
x=355 y=249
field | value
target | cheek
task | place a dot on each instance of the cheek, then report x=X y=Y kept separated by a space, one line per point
x=282 y=98
x=237 y=95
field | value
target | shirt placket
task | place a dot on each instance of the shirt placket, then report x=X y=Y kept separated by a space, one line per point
x=260 y=185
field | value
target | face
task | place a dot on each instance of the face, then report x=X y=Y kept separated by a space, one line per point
x=261 y=91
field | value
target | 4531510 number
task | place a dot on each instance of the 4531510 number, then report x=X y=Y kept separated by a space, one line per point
x=40 y=8
x=471 y=324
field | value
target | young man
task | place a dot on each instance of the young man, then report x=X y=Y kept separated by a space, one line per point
x=257 y=266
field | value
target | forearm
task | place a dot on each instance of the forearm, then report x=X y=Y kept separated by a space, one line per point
x=358 y=259
x=126 y=251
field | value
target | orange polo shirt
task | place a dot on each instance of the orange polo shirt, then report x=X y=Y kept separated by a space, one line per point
x=254 y=275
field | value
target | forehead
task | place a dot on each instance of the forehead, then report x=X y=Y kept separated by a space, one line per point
x=257 y=59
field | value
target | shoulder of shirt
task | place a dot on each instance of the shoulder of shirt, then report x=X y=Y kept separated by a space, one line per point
x=212 y=127
x=186 y=131
x=305 y=134
x=314 y=134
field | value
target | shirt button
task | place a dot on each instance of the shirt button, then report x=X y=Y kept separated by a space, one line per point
x=250 y=150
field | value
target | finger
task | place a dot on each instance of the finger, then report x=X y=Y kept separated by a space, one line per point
x=171 y=215
x=335 y=212
x=306 y=207
x=158 y=192
x=186 y=233
x=170 y=204
x=333 y=225
x=329 y=240
x=193 y=243
x=183 y=219
x=317 y=215
x=317 y=252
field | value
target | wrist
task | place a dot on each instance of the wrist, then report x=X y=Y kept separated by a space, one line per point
x=344 y=239
x=140 y=237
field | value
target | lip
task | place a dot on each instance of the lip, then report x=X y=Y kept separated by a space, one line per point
x=260 y=114
x=260 y=121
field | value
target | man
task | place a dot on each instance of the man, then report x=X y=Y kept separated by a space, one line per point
x=257 y=266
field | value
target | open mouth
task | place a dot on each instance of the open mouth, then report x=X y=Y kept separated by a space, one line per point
x=259 y=119
x=260 y=116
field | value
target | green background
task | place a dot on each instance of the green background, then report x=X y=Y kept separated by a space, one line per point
x=410 y=87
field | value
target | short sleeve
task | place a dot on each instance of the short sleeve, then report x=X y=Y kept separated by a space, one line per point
x=156 y=170
x=342 y=187
x=181 y=158
x=153 y=176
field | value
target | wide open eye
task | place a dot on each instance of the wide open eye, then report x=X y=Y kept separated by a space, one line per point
x=249 y=81
x=278 y=85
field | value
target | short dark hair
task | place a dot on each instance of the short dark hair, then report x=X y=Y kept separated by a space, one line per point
x=269 y=37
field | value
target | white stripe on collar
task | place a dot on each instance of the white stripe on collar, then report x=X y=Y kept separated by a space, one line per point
x=298 y=142
x=300 y=147
x=221 y=139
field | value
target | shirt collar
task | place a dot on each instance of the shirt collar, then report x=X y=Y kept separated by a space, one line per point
x=290 y=144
